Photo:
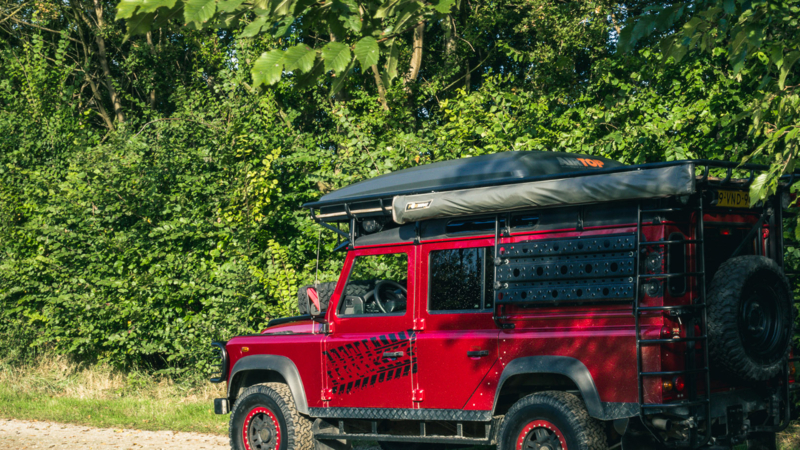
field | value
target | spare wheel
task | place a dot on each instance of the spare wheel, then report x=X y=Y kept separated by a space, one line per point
x=750 y=320
x=324 y=293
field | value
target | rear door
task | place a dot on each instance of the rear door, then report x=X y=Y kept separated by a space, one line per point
x=368 y=353
x=458 y=343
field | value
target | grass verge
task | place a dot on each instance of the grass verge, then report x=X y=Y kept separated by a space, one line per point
x=60 y=391
x=789 y=439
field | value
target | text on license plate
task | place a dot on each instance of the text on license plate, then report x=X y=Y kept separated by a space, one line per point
x=734 y=199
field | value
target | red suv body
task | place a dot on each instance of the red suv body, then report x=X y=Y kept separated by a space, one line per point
x=553 y=327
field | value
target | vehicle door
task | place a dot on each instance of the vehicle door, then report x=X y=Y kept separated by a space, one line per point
x=368 y=354
x=458 y=343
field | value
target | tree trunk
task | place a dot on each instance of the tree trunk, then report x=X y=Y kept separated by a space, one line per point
x=416 y=55
x=381 y=87
x=98 y=101
x=101 y=54
x=152 y=99
x=467 y=77
x=450 y=39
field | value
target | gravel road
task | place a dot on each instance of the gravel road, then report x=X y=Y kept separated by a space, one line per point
x=28 y=435
x=25 y=435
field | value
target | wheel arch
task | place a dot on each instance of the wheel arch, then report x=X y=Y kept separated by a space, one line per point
x=256 y=369
x=568 y=371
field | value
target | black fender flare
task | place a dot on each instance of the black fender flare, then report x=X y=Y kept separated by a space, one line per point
x=274 y=363
x=575 y=371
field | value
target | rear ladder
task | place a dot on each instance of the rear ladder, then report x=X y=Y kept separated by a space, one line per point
x=696 y=314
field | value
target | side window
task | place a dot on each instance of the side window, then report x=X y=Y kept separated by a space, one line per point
x=377 y=285
x=460 y=279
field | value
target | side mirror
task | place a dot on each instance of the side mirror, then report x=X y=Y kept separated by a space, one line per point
x=314 y=308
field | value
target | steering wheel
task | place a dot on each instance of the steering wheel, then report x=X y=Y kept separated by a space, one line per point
x=379 y=300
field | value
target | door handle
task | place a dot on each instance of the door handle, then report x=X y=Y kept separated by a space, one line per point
x=477 y=353
x=393 y=354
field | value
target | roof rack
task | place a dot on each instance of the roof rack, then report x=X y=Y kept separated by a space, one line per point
x=673 y=178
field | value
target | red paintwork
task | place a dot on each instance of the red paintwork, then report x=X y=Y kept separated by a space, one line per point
x=391 y=393
x=442 y=347
x=441 y=374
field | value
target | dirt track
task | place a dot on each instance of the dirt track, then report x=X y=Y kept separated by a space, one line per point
x=25 y=435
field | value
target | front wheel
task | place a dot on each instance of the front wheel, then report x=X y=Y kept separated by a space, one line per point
x=265 y=418
x=550 y=420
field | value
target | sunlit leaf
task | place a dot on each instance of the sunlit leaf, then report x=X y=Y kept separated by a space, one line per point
x=336 y=56
x=254 y=27
x=199 y=10
x=268 y=68
x=126 y=8
x=300 y=56
x=229 y=5
x=444 y=6
x=367 y=51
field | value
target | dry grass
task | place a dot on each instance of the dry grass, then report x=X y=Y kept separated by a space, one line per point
x=60 y=390
x=790 y=438
x=57 y=376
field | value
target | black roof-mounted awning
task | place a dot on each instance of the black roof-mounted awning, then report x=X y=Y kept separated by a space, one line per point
x=513 y=180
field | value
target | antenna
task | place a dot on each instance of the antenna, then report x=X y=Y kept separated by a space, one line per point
x=316 y=274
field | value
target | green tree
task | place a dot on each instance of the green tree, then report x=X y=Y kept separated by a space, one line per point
x=761 y=42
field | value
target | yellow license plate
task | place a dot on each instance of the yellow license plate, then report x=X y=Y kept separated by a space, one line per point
x=733 y=199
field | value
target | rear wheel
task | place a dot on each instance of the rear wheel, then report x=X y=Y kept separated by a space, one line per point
x=550 y=420
x=265 y=418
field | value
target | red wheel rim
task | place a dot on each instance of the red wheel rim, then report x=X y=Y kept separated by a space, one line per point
x=541 y=434
x=261 y=430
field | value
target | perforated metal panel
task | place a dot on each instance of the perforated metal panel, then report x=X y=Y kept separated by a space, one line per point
x=566 y=270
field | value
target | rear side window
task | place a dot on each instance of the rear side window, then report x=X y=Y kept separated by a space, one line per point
x=460 y=279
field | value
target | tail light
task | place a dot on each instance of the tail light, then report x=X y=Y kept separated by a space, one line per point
x=679 y=383
x=670 y=332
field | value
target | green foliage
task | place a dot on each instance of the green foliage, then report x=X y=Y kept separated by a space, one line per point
x=349 y=25
x=761 y=44
x=136 y=236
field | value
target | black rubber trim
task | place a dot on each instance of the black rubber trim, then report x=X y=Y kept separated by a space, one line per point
x=575 y=371
x=394 y=438
x=291 y=319
x=402 y=414
x=619 y=410
x=280 y=364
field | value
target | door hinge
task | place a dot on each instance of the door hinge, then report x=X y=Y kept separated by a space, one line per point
x=417 y=395
x=327 y=395
x=419 y=324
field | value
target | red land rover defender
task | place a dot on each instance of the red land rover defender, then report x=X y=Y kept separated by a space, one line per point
x=532 y=300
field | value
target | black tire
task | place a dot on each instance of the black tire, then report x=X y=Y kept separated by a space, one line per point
x=762 y=441
x=750 y=320
x=560 y=418
x=324 y=291
x=270 y=404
